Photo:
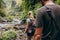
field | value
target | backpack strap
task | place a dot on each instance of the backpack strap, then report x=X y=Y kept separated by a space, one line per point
x=54 y=21
x=50 y=15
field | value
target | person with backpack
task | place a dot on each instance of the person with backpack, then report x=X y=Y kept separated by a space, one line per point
x=48 y=21
x=30 y=28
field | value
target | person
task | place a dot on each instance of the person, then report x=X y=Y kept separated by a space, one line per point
x=48 y=21
x=30 y=28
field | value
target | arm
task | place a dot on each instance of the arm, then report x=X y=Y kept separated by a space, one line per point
x=38 y=33
x=39 y=26
x=26 y=26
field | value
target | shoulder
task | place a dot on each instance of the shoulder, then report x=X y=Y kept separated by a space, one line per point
x=41 y=10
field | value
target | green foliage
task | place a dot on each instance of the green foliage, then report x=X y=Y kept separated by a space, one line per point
x=58 y=2
x=2 y=13
x=1 y=4
x=30 y=5
x=9 y=18
x=9 y=35
x=37 y=6
x=2 y=10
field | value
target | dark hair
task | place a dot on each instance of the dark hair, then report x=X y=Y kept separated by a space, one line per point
x=29 y=14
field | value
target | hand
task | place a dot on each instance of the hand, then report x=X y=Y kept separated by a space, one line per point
x=37 y=37
x=38 y=34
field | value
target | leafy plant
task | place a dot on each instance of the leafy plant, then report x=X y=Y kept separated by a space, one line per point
x=9 y=18
x=8 y=35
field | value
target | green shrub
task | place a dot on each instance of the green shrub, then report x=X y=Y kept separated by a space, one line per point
x=8 y=35
x=9 y=18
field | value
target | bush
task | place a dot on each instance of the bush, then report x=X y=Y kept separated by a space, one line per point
x=9 y=18
x=9 y=35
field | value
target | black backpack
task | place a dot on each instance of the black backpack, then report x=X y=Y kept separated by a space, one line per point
x=31 y=28
x=52 y=35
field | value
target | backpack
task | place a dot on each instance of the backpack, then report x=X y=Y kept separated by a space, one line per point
x=52 y=35
x=31 y=29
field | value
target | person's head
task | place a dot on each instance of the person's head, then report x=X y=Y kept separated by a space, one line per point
x=30 y=14
x=45 y=1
